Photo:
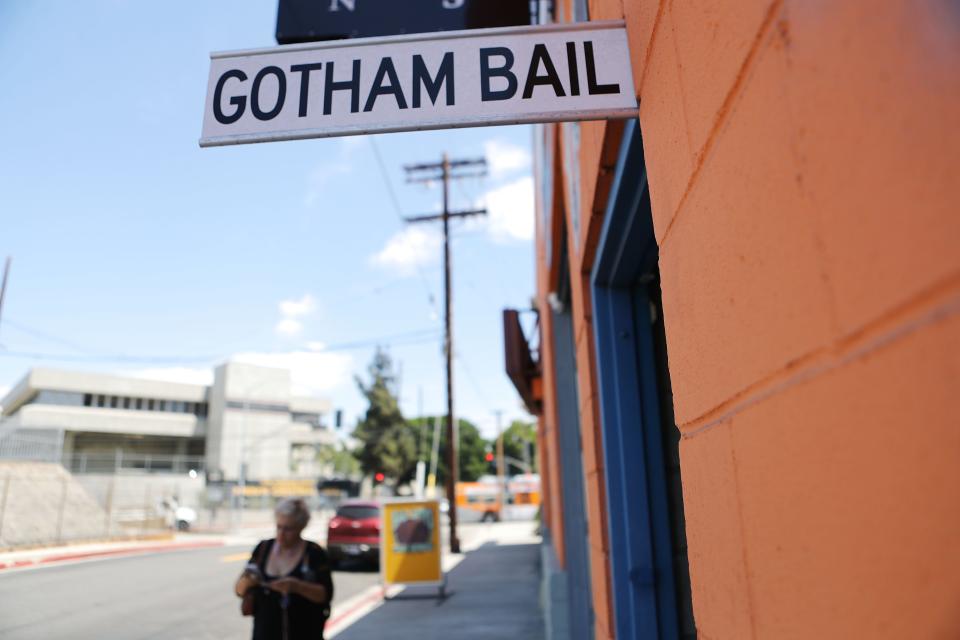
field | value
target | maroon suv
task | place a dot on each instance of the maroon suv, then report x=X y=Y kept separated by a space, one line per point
x=354 y=532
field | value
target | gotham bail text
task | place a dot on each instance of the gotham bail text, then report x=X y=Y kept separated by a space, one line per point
x=498 y=81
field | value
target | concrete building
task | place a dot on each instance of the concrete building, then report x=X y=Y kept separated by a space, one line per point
x=748 y=302
x=248 y=420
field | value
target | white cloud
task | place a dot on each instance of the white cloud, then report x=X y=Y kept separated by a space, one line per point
x=505 y=158
x=511 y=211
x=297 y=308
x=311 y=372
x=184 y=375
x=291 y=311
x=409 y=248
x=289 y=327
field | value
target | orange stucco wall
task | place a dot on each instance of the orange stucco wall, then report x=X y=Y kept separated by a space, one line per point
x=804 y=169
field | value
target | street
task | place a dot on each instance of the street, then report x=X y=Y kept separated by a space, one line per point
x=178 y=594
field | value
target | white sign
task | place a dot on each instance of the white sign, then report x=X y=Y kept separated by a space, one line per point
x=424 y=81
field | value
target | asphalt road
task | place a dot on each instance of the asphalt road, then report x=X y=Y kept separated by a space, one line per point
x=170 y=595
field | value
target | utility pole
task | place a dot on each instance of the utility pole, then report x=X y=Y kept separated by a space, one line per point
x=447 y=170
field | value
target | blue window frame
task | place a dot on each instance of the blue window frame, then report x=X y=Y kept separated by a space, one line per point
x=647 y=541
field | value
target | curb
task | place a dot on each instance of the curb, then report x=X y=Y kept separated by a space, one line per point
x=132 y=539
x=105 y=553
x=354 y=609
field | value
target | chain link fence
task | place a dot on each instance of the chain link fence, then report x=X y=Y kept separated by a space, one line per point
x=48 y=498
x=42 y=504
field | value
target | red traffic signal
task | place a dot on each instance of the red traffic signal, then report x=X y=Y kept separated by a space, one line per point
x=379 y=477
x=489 y=457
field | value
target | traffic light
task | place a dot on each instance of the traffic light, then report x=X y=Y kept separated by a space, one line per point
x=489 y=456
x=378 y=477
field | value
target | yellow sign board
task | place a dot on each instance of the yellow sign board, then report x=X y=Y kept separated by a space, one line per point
x=410 y=543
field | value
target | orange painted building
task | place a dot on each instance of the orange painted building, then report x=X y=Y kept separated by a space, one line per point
x=761 y=275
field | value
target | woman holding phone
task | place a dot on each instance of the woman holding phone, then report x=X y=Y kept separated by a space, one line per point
x=287 y=585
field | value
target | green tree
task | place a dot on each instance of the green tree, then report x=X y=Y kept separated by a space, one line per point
x=344 y=462
x=519 y=437
x=472 y=449
x=387 y=444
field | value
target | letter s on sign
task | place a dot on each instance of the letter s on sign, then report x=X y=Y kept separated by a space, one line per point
x=240 y=102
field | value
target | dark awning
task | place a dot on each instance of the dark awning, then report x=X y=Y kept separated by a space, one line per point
x=522 y=364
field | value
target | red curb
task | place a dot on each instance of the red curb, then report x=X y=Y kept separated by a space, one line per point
x=67 y=557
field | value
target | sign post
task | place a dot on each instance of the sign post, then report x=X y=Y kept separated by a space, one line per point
x=415 y=82
x=410 y=544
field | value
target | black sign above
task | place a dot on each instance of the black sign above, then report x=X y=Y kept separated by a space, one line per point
x=316 y=20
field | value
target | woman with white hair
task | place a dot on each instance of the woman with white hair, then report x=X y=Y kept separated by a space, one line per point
x=287 y=586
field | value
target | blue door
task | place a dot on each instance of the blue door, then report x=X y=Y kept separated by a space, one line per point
x=648 y=556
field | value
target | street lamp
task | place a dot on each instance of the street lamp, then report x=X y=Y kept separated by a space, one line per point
x=242 y=470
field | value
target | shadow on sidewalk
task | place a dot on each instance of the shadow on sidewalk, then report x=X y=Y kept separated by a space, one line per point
x=492 y=593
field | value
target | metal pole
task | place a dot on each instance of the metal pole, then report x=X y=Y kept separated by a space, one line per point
x=501 y=470
x=242 y=471
x=422 y=436
x=452 y=431
x=421 y=440
x=434 y=454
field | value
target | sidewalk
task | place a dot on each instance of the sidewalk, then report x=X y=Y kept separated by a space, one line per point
x=492 y=592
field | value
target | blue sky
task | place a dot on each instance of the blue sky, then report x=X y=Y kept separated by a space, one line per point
x=136 y=251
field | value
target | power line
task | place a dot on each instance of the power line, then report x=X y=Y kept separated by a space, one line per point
x=412 y=337
x=420 y=336
x=48 y=337
x=477 y=388
x=469 y=197
x=61 y=357
x=431 y=299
